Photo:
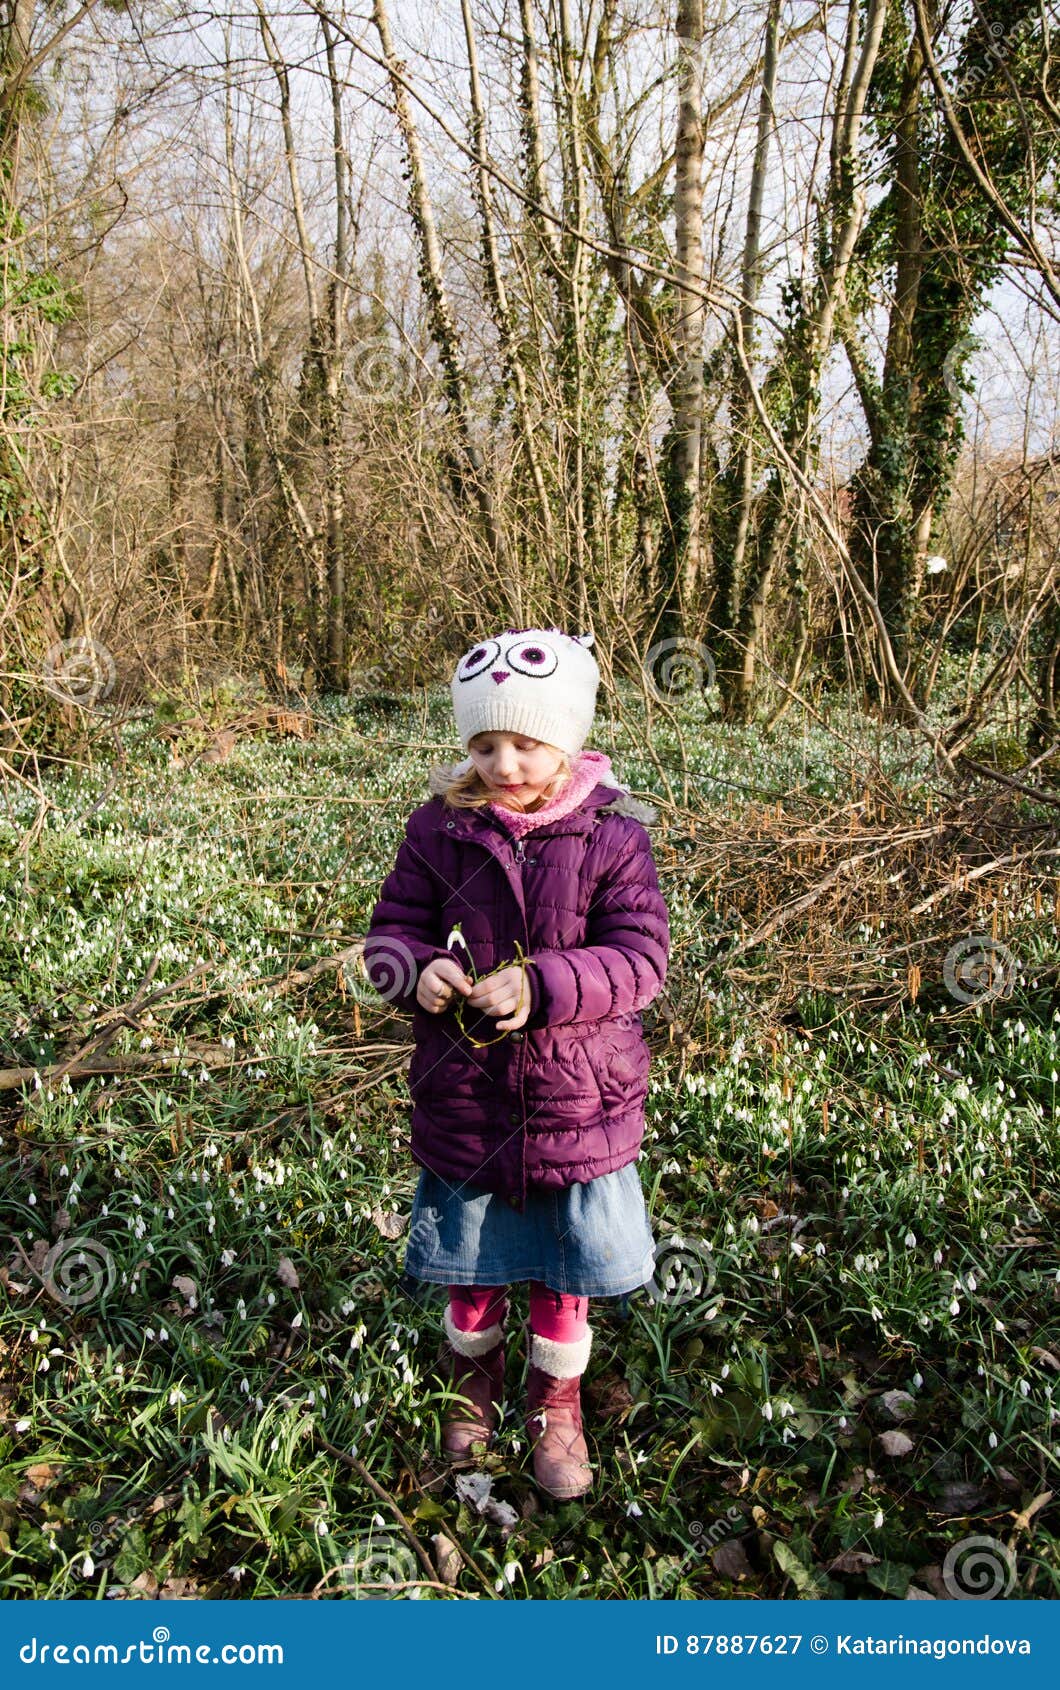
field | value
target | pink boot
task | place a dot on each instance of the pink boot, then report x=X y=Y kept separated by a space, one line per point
x=476 y=1371
x=554 y=1418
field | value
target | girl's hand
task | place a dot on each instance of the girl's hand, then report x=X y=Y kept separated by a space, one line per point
x=505 y=993
x=439 y=983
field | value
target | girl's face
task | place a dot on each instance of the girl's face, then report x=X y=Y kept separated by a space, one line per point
x=519 y=769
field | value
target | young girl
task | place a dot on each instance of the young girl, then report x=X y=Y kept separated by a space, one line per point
x=523 y=924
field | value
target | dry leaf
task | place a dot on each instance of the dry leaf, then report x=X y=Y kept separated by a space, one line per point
x=185 y=1286
x=1045 y=1356
x=730 y=1560
x=447 y=1558
x=41 y=1474
x=853 y=1561
x=932 y=1577
x=390 y=1225
x=146 y=1582
x=611 y=1396
x=896 y=1443
x=960 y=1496
x=178 y=1590
x=899 y=1405
x=286 y=1274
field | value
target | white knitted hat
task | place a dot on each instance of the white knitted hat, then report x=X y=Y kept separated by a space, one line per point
x=535 y=681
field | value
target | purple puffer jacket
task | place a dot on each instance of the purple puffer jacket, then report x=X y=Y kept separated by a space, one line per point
x=561 y=1100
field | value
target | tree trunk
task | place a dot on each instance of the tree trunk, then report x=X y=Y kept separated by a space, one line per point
x=471 y=474
x=680 y=551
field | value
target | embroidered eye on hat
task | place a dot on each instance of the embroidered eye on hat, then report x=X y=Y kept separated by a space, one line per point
x=535 y=681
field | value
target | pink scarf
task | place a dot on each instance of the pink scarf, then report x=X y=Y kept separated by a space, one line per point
x=588 y=769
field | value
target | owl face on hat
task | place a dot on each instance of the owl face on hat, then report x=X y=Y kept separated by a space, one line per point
x=517 y=652
x=535 y=681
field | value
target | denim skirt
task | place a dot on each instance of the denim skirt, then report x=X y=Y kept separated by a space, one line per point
x=591 y=1240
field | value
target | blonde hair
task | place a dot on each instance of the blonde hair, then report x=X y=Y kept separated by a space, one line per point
x=468 y=791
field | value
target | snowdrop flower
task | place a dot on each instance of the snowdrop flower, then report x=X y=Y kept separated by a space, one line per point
x=634 y=1510
x=767 y=1411
x=877 y=1519
x=955 y=1307
x=992 y=1440
x=910 y=1241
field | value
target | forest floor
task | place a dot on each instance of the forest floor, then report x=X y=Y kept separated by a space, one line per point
x=844 y=1380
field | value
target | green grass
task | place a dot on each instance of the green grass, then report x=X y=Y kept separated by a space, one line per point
x=176 y=1420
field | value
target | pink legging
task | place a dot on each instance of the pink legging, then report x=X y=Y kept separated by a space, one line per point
x=553 y=1314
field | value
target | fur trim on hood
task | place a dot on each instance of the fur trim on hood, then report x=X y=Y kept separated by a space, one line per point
x=623 y=804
